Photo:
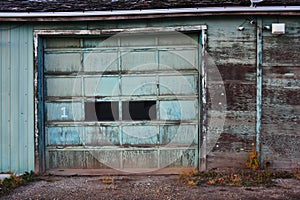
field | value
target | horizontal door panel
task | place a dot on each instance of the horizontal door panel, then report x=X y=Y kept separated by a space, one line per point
x=103 y=61
x=178 y=110
x=71 y=111
x=63 y=86
x=101 y=86
x=62 y=62
x=64 y=136
x=181 y=84
x=138 y=85
x=139 y=135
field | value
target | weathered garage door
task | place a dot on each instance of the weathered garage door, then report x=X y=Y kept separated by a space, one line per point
x=123 y=102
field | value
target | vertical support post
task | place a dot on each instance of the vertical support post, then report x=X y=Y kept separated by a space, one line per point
x=259 y=84
x=39 y=140
x=41 y=105
x=203 y=100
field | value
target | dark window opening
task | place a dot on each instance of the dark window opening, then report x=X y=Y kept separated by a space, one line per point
x=101 y=111
x=139 y=110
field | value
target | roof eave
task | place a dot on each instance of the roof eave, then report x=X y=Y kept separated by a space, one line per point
x=147 y=13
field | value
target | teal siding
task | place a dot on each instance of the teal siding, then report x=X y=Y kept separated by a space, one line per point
x=17 y=103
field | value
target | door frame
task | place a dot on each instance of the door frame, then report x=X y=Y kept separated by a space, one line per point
x=39 y=128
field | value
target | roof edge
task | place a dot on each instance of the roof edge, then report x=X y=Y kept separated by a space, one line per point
x=9 y=16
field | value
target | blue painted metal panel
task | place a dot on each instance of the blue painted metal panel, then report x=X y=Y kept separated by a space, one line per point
x=64 y=111
x=178 y=110
x=66 y=42
x=101 y=135
x=101 y=86
x=155 y=68
x=139 y=40
x=178 y=134
x=64 y=135
x=63 y=86
x=140 y=135
x=100 y=42
x=179 y=59
x=170 y=157
x=185 y=84
x=16 y=107
x=139 y=60
x=102 y=61
x=138 y=85
x=63 y=62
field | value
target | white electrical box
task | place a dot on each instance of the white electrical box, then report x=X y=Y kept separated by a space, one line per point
x=278 y=28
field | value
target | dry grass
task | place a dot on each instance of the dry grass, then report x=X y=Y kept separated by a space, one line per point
x=126 y=179
x=107 y=180
x=232 y=178
x=189 y=176
x=297 y=174
x=188 y=173
x=15 y=181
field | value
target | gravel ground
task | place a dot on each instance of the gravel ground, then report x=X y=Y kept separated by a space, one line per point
x=146 y=187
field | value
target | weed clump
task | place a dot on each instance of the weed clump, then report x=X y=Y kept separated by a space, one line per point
x=108 y=180
x=297 y=174
x=235 y=178
x=253 y=161
x=14 y=181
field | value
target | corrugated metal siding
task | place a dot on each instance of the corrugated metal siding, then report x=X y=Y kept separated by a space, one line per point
x=16 y=107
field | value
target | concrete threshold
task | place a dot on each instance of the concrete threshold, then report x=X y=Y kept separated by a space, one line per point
x=114 y=172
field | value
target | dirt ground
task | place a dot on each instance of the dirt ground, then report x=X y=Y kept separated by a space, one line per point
x=146 y=187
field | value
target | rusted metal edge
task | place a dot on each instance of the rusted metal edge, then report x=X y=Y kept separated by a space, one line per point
x=115 y=31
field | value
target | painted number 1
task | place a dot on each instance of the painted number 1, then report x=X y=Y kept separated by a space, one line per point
x=64 y=114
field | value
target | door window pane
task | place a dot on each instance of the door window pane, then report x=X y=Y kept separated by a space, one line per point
x=101 y=111
x=139 y=110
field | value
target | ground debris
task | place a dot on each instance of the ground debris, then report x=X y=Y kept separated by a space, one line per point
x=150 y=187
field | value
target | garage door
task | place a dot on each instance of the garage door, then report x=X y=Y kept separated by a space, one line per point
x=128 y=101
